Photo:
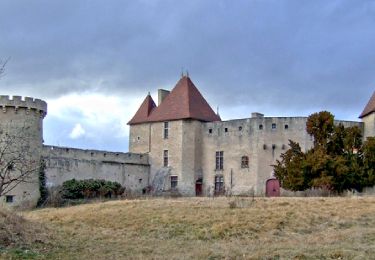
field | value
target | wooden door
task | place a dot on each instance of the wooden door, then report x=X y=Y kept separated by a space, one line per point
x=272 y=188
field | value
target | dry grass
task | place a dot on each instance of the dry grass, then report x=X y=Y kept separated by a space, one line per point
x=204 y=228
x=19 y=233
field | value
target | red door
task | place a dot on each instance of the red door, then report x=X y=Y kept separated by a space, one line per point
x=272 y=188
x=198 y=187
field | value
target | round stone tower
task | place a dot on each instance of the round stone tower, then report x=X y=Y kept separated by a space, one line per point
x=21 y=142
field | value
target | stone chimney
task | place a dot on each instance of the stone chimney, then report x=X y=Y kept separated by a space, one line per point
x=256 y=115
x=162 y=93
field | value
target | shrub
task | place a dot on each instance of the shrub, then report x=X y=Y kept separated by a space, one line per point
x=90 y=188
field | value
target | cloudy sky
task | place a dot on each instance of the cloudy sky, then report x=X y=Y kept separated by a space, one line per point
x=94 y=61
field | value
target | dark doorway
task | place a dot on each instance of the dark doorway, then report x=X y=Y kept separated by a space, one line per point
x=198 y=187
x=219 y=185
x=272 y=188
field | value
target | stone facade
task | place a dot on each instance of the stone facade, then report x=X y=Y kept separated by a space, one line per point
x=189 y=151
x=192 y=146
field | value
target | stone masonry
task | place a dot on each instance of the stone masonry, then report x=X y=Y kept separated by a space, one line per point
x=180 y=146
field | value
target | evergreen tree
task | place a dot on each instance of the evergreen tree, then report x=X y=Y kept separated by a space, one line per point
x=338 y=160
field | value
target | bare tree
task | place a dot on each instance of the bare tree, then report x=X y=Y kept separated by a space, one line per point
x=18 y=160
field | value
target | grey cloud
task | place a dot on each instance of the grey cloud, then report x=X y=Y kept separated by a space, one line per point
x=280 y=55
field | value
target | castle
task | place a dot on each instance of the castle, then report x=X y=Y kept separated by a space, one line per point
x=178 y=146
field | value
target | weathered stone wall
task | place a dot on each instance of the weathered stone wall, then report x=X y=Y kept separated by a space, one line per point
x=262 y=139
x=174 y=146
x=192 y=147
x=22 y=120
x=191 y=157
x=369 y=125
x=140 y=138
x=129 y=169
x=184 y=151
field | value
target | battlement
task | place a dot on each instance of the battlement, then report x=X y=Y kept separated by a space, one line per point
x=20 y=102
x=94 y=155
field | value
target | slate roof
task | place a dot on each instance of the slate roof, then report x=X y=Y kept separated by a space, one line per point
x=183 y=102
x=143 y=111
x=370 y=107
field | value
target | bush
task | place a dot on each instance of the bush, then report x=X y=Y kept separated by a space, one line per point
x=87 y=189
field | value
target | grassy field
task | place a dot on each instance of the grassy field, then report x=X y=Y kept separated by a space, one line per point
x=206 y=228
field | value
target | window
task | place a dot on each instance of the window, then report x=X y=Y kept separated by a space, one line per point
x=286 y=127
x=9 y=198
x=260 y=127
x=226 y=130
x=210 y=131
x=219 y=160
x=140 y=180
x=165 y=158
x=273 y=126
x=174 y=181
x=240 y=128
x=219 y=185
x=245 y=162
x=166 y=130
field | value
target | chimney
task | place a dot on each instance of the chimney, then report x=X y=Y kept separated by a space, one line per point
x=256 y=115
x=162 y=93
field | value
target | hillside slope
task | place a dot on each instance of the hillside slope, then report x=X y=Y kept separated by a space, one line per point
x=186 y=228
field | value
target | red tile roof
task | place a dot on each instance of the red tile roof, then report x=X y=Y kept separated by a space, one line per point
x=370 y=107
x=184 y=102
x=143 y=111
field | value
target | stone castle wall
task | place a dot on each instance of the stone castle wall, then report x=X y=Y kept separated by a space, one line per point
x=129 y=169
x=23 y=119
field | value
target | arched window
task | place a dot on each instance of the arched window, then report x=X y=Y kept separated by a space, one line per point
x=245 y=162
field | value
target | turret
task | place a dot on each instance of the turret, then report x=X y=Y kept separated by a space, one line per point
x=21 y=140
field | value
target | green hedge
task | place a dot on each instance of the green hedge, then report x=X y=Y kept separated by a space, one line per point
x=90 y=188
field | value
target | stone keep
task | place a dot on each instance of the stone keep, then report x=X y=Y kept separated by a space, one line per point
x=21 y=131
x=193 y=152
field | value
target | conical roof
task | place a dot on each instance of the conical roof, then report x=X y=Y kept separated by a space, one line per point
x=183 y=102
x=370 y=107
x=144 y=111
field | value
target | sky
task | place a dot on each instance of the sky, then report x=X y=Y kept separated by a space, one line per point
x=95 y=61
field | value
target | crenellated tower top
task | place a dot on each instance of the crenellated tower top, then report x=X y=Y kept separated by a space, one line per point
x=28 y=103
